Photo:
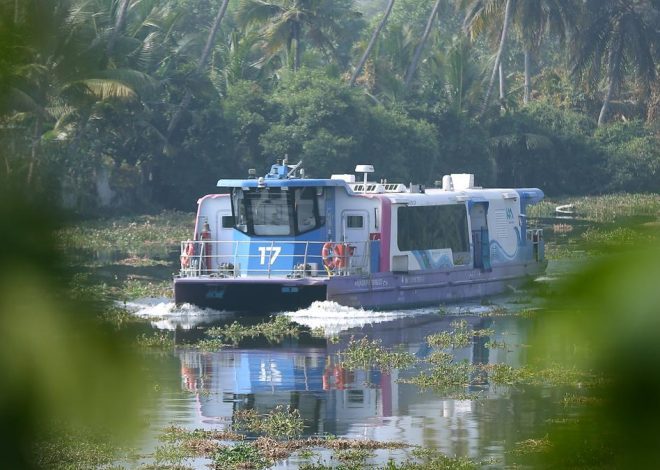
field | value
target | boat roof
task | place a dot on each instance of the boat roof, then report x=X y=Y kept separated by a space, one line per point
x=282 y=175
x=279 y=183
x=401 y=196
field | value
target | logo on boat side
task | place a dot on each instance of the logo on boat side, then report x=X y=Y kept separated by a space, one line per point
x=509 y=213
x=371 y=283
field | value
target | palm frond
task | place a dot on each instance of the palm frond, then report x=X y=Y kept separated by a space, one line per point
x=18 y=100
x=103 y=89
x=256 y=12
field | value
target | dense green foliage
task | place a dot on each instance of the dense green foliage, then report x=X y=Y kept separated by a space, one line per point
x=137 y=105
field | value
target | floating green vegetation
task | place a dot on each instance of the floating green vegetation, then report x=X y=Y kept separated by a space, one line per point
x=494 y=344
x=240 y=456
x=445 y=374
x=173 y=434
x=85 y=286
x=617 y=238
x=118 y=316
x=73 y=447
x=432 y=459
x=450 y=377
x=155 y=340
x=528 y=312
x=279 y=423
x=210 y=344
x=132 y=234
x=504 y=374
x=133 y=288
x=275 y=330
x=563 y=251
x=171 y=456
x=180 y=444
x=366 y=354
x=532 y=446
x=572 y=399
x=320 y=332
x=605 y=208
x=354 y=458
x=460 y=337
x=496 y=311
x=265 y=451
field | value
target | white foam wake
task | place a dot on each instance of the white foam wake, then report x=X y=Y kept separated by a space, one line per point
x=334 y=318
x=166 y=315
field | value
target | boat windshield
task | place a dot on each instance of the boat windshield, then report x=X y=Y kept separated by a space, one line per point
x=278 y=212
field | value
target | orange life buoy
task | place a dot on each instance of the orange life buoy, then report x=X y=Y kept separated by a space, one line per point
x=187 y=253
x=334 y=255
x=340 y=255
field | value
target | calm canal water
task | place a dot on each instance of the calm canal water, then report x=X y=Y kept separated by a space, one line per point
x=199 y=389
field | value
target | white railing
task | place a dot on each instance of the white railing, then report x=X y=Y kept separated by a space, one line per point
x=273 y=259
x=534 y=235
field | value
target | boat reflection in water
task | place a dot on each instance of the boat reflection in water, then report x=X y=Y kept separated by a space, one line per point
x=366 y=403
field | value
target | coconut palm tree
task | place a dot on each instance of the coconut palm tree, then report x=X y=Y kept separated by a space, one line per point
x=201 y=65
x=461 y=75
x=119 y=26
x=420 y=47
x=58 y=82
x=533 y=19
x=372 y=42
x=479 y=15
x=289 y=25
x=618 y=36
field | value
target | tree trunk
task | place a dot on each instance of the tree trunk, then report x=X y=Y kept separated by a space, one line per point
x=498 y=57
x=410 y=73
x=613 y=68
x=119 y=26
x=371 y=44
x=501 y=80
x=211 y=37
x=298 y=55
x=36 y=139
x=606 y=102
x=528 y=80
x=206 y=52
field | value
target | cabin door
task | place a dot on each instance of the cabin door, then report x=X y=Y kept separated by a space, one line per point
x=224 y=234
x=355 y=232
x=480 y=237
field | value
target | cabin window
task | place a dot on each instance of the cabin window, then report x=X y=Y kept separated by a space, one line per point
x=354 y=221
x=306 y=209
x=227 y=221
x=277 y=211
x=433 y=227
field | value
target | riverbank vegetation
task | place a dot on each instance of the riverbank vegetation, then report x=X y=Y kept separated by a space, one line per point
x=115 y=106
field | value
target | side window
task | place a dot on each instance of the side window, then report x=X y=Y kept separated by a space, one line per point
x=227 y=221
x=433 y=227
x=354 y=221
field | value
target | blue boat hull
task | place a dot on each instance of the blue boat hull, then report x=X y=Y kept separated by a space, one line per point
x=429 y=287
x=376 y=291
x=241 y=295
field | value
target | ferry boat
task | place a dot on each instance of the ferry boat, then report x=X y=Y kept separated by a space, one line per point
x=282 y=241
